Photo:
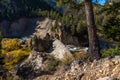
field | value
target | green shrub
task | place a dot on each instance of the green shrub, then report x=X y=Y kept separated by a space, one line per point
x=111 y=28
x=72 y=29
x=110 y=52
x=35 y=38
x=81 y=27
x=53 y=28
x=52 y=65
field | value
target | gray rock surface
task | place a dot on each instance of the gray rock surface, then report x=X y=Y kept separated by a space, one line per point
x=59 y=50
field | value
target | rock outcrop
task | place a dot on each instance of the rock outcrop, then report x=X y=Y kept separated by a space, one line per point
x=59 y=32
x=53 y=47
x=38 y=61
x=33 y=66
x=28 y=27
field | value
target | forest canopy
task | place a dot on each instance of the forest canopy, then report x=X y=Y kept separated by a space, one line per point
x=11 y=9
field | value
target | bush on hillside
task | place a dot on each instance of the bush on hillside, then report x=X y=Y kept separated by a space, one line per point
x=110 y=52
x=111 y=28
x=14 y=57
x=13 y=52
x=52 y=65
x=10 y=44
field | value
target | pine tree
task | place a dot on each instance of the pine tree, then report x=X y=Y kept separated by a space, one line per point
x=93 y=41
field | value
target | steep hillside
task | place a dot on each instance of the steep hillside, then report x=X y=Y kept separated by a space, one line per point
x=13 y=9
x=40 y=41
x=104 y=69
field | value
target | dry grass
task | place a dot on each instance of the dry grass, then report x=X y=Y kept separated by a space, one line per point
x=80 y=55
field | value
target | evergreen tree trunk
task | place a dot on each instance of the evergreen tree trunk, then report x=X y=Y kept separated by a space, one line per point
x=93 y=41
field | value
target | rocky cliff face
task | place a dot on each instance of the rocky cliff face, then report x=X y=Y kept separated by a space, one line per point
x=59 y=32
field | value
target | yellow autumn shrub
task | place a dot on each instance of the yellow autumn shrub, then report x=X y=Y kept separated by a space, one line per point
x=10 y=44
x=14 y=57
x=14 y=52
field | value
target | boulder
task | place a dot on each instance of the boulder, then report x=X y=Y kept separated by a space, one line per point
x=59 y=50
